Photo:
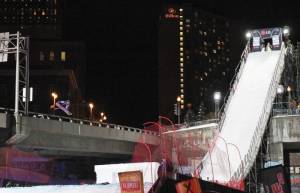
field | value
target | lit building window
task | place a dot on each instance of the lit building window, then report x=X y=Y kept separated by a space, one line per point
x=181 y=91
x=181 y=64
x=214 y=51
x=181 y=48
x=181 y=28
x=187 y=20
x=181 y=85
x=51 y=56
x=181 y=59
x=181 y=75
x=182 y=106
x=181 y=70
x=42 y=56
x=181 y=80
x=181 y=33
x=180 y=9
x=182 y=96
x=181 y=43
x=181 y=23
x=181 y=17
x=205 y=33
x=181 y=38
x=63 y=56
x=181 y=53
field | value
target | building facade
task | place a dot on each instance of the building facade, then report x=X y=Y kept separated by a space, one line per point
x=195 y=58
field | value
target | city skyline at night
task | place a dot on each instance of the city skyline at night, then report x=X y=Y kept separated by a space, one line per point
x=121 y=41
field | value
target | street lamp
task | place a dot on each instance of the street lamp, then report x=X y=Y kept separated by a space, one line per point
x=178 y=108
x=280 y=91
x=217 y=99
x=103 y=117
x=54 y=95
x=289 y=89
x=91 y=105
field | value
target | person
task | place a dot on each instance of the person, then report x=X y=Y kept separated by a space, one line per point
x=165 y=182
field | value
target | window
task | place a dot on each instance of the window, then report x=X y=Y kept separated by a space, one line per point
x=42 y=56
x=51 y=56
x=63 y=56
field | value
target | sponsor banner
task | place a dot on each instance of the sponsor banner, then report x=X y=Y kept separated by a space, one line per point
x=131 y=182
x=189 y=186
x=274 y=180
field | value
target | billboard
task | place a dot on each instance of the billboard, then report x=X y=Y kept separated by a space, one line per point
x=274 y=180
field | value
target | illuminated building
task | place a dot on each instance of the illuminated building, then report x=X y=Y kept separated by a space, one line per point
x=194 y=57
x=38 y=18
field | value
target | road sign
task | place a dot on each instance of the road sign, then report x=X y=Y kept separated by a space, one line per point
x=4 y=38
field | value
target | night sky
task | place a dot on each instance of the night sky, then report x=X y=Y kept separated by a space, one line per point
x=121 y=47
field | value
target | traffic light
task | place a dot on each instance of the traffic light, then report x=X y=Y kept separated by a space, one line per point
x=175 y=109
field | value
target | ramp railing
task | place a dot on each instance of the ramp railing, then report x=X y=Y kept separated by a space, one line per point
x=234 y=82
x=250 y=157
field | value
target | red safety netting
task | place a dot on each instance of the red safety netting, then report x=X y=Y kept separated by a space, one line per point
x=184 y=146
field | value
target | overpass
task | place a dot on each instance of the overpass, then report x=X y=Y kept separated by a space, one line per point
x=65 y=136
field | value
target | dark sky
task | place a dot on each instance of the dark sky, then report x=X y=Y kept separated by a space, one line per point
x=121 y=47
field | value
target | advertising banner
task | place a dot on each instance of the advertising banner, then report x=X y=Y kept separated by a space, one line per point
x=131 y=182
x=274 y=180
x=189 y=186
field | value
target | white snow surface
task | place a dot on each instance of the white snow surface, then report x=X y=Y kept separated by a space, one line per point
x=242 y=116
x=109 y=172
x=111 y=188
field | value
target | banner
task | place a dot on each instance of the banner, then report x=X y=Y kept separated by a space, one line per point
x=64 y=106
x=131 y=182
x=274 y=180
x=189 y=186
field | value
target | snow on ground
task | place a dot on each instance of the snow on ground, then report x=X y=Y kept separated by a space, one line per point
x=97 y=188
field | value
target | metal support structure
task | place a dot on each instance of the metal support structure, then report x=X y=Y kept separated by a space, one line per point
x=297 y=64
x=19 y=46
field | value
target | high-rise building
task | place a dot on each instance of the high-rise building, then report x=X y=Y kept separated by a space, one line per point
x=56 y=65
x=195 y=58
x=41 y=19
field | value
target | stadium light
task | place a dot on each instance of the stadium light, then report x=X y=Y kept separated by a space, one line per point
x=280 y=89
x=286 y=30
x=248 y=35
